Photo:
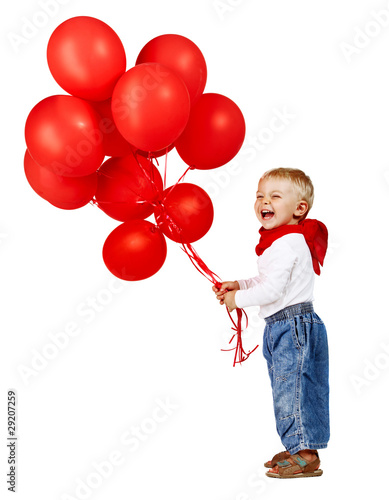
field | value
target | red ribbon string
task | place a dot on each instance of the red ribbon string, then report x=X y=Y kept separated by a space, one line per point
x=164 y=174
x=149 y=177
x=179 y=180
x=240 y=354
x=200 y=264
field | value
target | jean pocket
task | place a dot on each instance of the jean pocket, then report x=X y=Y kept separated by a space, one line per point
x=299 y=331
x=286 y=353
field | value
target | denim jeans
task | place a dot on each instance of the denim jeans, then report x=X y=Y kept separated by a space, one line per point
x=296 y=350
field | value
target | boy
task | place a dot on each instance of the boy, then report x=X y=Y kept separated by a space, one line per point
x=291 y=249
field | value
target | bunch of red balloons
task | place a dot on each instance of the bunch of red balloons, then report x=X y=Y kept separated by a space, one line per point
x=132 y=117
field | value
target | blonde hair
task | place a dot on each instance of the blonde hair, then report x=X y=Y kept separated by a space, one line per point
x=301 y=182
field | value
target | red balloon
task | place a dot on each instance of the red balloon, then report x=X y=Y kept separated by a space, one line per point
x=114 y=144
x=127 y=187
x=182 y=56
x=185 y=214
x=214 y=133
x=67 y=193
x=155 y=154
x=86 y=57
x=150 y=106
x=135 y=250
x=62 y=134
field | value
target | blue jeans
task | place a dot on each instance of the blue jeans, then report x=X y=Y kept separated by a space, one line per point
x=296 y=350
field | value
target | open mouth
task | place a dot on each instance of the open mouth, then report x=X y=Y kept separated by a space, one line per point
x=267 y=214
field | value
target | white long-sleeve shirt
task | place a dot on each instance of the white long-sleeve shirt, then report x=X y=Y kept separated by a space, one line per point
x=285 y=277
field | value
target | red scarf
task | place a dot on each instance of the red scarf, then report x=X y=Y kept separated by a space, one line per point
x=315 y=234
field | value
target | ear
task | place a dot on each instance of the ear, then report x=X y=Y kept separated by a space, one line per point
x=301 y=208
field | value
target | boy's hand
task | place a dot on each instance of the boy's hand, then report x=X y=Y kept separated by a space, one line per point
x=226 y=293
x=229 y=300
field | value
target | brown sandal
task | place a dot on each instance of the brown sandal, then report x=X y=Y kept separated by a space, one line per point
x=277 y=458
x=301 y=468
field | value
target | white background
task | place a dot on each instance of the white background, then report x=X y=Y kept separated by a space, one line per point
x=159 y=340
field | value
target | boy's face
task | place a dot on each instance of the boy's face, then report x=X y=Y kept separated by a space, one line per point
x=277 y=203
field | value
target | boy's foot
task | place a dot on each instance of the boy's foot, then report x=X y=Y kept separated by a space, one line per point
x=277 y=458
x=309 y=456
